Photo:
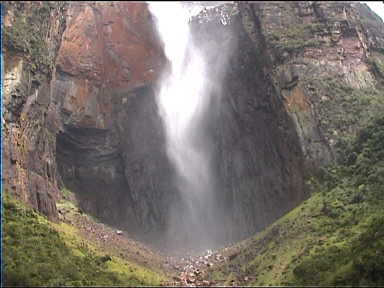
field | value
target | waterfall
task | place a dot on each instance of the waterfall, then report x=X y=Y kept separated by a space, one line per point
x=182 y=101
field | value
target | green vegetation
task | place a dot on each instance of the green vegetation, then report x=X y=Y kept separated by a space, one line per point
x=291 y=45
x=336 y=237
x=66 y=192
x=38 y=252
x=30 y=32
x=378 y=65
x=346 y=109
x=296 y=37
x=352 y=215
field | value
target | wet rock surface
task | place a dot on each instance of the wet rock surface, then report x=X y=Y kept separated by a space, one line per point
x=245 y=121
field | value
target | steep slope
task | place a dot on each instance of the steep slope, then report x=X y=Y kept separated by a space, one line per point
x=325 y=63
x=41 y=253
x=333 y=238
x=32 y=37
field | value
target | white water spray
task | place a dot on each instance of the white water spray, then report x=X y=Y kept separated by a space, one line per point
x=182 y=99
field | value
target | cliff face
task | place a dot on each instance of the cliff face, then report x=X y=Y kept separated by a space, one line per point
x=258 y=175
x=111 y=149
x=299 y=76
x=106 y=46
x=327 y=58
x=32 y=36
x=106 y=58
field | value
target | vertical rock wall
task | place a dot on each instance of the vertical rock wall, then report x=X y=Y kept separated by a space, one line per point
x=32 y=36
x=298 y=77
x=259 y=176
x=111 y=150
x=324 y=56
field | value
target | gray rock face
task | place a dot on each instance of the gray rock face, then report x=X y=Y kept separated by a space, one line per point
x=263 y=126
x=257 y=156
x=122 y=174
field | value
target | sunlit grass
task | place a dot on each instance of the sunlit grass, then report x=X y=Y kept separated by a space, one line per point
x=38 y=252
x=333 y=238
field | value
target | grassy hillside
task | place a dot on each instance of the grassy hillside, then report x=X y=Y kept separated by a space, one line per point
x=336 y=237
x=38 y=252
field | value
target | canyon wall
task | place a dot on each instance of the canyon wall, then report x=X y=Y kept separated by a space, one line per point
x=258 y=175
x=326 y=63
x=111 y=149
x=32 y=36
x=299 y=77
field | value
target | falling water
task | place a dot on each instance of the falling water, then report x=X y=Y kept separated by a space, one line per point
x=182 y=99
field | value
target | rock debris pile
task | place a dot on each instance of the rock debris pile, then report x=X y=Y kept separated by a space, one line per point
x=192 y=269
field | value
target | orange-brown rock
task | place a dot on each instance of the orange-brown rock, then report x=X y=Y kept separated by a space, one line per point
x=112 y=43
x=107 y=46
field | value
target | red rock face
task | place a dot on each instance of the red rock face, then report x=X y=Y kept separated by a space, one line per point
x=111 y=43
x=107 y=46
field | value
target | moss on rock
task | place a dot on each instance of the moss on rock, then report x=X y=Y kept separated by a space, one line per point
x=295 y=38
x=341 y=110
x=30 y=32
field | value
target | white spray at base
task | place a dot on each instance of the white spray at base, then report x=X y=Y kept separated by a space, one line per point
x=182 y=99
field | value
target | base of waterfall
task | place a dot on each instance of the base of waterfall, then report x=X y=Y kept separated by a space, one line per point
x=181 y=267
x=334 y=238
